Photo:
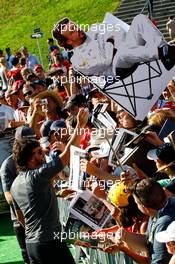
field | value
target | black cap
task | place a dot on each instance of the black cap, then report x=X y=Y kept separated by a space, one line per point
x=38 y=82
x=23 y=104
x=25 y=133
x=57 y=125
x=165 y=153
x=45 y=128
x=75 y=100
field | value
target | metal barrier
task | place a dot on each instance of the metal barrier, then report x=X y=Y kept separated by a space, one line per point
x=91 y=256
x=6 y=142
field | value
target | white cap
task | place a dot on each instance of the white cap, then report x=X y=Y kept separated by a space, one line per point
x=167 y=235
x=101 y=151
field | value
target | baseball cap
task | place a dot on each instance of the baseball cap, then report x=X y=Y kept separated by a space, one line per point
x=165 y=153
x=38 y=66
x=57 y=125
x=45 y=128
x=16 y=86
x=118 y=194
x=166 y=235
x=25 y=71
x=101 y=151
x=25 y=133
x=75 y=100
x=54 y=70
x=38 y=82
x=23 y=104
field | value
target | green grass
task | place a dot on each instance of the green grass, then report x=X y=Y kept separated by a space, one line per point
x=19 y=18
x=9 y=249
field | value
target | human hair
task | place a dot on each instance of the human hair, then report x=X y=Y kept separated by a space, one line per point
x=15 y=61
x=159 y=117
x=23 y=152
x=171 y=17
x=50 y=40
x=7 y=49
x=150 y=193
x=22 y=61
x=18 y=54
x=129 y=121
x=128 y=213
x=57 y=33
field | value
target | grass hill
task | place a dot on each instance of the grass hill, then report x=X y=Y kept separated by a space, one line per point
x=19 y=18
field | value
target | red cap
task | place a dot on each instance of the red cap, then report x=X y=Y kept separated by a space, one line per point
x=16 y=86
x=38 y=66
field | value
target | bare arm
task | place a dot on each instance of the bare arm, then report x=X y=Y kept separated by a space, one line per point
x=134 y=241
x=92 y=169
x=113 y=249
x=8 y=197
x=82 y=118
x=102 y=195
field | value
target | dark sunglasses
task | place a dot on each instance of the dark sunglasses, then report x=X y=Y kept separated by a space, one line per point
x=39 y=152
x=28 y=93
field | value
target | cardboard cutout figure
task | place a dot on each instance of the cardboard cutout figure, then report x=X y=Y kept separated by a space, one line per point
x=125 y=58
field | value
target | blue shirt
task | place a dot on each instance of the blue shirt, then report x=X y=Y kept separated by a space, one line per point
x=157 y=250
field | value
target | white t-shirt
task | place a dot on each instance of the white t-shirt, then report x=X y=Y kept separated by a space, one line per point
x=6 y=114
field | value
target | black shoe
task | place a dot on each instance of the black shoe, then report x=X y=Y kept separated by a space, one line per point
x=167 y=56
x=122 y=73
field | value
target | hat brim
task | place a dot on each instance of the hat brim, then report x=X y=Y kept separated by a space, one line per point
x=52 y=72
x=151 y=155
x=98 y=154
x=163 y=237
x=68 y=106
x=92 y=148
x=44 y=142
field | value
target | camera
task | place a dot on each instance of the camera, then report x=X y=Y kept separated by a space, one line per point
x=43 y=102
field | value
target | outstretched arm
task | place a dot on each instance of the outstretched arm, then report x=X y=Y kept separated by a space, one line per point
x=82 y=118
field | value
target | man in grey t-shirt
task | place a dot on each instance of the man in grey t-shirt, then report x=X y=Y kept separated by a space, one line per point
x=33 y=193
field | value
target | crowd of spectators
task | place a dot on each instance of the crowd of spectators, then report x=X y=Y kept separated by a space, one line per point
x=47 y=109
